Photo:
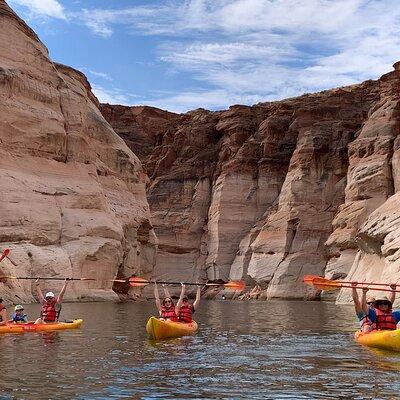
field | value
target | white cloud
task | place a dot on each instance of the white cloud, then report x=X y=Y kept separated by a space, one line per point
x=42 y=8
x=112 y=96
x=259 y=49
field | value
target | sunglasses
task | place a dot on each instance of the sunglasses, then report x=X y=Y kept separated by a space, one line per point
x=370 y=302
x=167 y=301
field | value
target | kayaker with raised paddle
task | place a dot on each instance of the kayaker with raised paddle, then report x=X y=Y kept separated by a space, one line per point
x=166 y=310
x=51 y=306
x=3 y=314
x=184 y=309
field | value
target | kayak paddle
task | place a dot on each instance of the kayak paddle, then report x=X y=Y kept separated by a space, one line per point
x=141 y=282
x=328 y=284
x=5 y=253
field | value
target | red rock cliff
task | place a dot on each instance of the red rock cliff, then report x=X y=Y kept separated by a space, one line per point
x=272 y=192
x=73 y=199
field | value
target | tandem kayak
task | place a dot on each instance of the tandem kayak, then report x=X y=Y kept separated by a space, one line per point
x=163 y=329
x=31 y=327
x=385 y=340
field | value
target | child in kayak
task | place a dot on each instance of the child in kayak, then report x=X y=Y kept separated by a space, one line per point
x=51 y=306
x=167 y=308
x=184 y=309
x=366 y=325
x=18 y=316
x=3 y=313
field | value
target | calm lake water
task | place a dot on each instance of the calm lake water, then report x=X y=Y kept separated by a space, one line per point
x=243 y=350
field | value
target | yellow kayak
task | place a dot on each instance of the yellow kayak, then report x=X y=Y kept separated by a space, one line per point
x=31 y=327
x=163 y=329
x=385 y=340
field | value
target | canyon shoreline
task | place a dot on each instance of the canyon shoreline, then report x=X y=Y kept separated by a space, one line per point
x=265 y=193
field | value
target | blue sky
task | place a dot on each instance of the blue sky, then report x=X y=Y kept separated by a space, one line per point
x=184 y=54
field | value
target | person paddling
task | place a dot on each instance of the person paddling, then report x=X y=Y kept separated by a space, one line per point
x=51 y=306
x=184 y=309
x=19 y=316
x=382 y=314
x=3 y=314
x=167 y=308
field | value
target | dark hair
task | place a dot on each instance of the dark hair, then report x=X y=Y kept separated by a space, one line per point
x=167 y=298
x=185 y=298
x=1 y=300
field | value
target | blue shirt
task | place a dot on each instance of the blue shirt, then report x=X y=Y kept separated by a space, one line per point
x=372 y=315
x=19 y=318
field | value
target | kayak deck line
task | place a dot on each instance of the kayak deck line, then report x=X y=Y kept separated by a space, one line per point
x=384 y=340
x=32 y=327
x=159 y=329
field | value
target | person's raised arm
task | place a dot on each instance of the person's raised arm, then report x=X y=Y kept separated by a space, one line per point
x=166 y=291
x=364 y=305
x=356 y=300
x=392 y=296
x=61 y=295
x=197 y=300
x=179 y=304
x=39 y=291
x=157 y=297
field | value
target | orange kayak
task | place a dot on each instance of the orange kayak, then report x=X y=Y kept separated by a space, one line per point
x=163 y=329
x=31 y=327
x=385 y=340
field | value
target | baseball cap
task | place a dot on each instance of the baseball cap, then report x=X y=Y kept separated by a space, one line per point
x=18 y=307
x=49 y=294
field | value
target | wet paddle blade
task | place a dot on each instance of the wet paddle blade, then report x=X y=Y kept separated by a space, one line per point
x=138 y=282
x=5 y=253
x=235 y=285
x=321 y=283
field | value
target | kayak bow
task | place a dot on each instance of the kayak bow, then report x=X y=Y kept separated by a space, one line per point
x=384 y=340
x=158 y=329
x=32 y=327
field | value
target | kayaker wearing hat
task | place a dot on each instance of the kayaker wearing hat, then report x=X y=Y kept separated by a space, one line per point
x=51 y=306
x=167 y=308
x=3 y=313
x=19 y=316
x=184 y=309
x=382 y=314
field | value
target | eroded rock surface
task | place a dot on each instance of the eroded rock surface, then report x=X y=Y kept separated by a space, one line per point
x=73 y=200
x=272 y=192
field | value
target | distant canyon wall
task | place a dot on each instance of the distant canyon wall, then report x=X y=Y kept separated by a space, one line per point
x=73 y=201
x=275 y=191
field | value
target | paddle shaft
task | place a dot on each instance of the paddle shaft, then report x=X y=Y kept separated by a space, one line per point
x=346 y=286
x=60 y=279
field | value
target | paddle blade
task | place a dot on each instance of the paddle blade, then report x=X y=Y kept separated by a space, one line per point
x=309 y=279
x=235 y=285
x=5 y=253
x=325 y=284
x=138 y=282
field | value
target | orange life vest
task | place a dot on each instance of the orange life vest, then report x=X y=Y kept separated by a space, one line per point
x=385 y=320
x=185 y=313
x=169 y=313
x=49 y=312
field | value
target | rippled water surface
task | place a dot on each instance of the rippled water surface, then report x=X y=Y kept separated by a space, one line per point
x=252 y=350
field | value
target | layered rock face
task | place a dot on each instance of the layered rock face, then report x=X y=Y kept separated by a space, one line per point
x=272 y=192
x=73 y=200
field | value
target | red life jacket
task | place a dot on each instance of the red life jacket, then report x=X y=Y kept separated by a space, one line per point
x=185 y=313
x=49 y=312
x=367 y=321
x=385 y=320
x=1 y=309
x=169 y=313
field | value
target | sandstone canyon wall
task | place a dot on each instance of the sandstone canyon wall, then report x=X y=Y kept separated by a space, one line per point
x=275 y=191
x=73 y=199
